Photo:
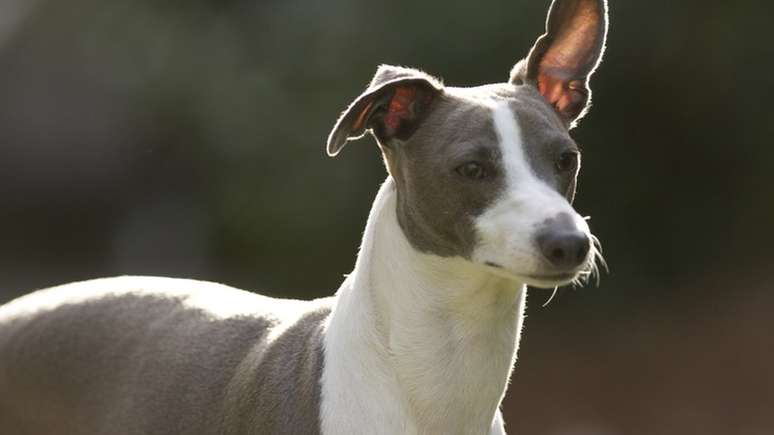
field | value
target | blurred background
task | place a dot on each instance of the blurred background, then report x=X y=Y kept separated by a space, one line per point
x=187 y=139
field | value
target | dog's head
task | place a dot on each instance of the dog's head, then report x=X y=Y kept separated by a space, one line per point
x=488 y=173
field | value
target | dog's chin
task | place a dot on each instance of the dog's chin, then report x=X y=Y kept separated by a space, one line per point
x=547 y=280
x=551 y=281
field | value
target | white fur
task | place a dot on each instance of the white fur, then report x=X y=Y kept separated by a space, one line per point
x=506 y=229
x=417 y=344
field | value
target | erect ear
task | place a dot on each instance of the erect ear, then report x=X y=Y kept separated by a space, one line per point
x=391 y=107
x=564 y=58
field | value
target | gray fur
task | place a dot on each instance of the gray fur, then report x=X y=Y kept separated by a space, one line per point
x=436 y=206
x=142 y=362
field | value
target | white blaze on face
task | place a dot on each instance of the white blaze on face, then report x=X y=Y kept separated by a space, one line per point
x=509 y=133
x=507 y=229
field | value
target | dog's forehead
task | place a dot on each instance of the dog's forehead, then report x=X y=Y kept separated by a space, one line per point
x=468 y=114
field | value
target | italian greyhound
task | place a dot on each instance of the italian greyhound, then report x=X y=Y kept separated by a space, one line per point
x=420 y=338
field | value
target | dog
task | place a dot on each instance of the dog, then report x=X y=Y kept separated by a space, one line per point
x=420 y=338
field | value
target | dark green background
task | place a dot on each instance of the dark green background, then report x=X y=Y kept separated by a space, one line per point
x=186 y=138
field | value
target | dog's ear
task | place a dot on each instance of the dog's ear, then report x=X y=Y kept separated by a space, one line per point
x=391 y=107
x=564 y=58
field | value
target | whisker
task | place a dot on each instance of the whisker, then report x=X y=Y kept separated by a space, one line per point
x=552 y=297
x=597 y=245
x=592 y=268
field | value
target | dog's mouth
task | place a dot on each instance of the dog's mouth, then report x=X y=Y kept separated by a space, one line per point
x=551 y=280
x=555 y=277
x=547 y=280
x=551 y=277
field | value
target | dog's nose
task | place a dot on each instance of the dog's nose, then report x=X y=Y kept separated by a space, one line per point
x=565 y=249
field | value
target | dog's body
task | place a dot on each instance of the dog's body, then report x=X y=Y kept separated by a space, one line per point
x=159 y=356
x=422 y=335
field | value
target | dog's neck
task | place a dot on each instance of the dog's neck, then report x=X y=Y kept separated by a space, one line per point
x=417 y=343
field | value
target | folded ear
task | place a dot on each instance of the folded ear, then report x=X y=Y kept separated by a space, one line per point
x=391 y=107
x=564 y=58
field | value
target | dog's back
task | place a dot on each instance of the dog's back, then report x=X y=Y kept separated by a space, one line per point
x=187 y=356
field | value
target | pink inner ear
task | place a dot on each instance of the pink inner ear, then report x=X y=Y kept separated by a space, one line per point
x=567 y=97
x=400 y=108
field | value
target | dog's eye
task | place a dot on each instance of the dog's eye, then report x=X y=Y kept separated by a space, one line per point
x=472 y=170
x=568 y=161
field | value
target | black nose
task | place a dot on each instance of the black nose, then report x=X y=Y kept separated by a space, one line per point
x=565 y=249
